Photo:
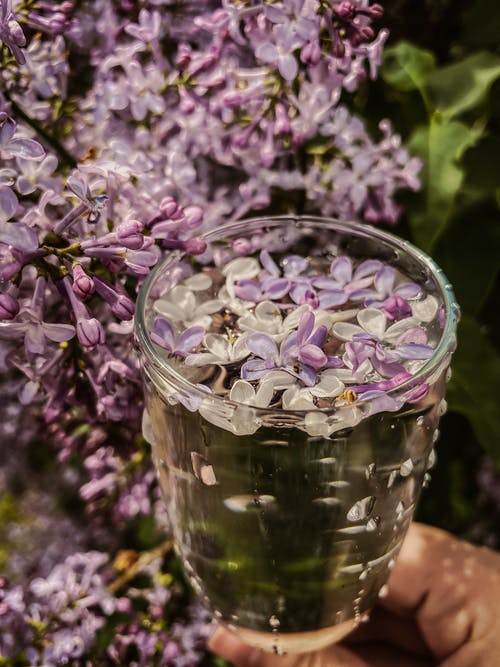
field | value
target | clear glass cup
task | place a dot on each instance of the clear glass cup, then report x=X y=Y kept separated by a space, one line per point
x=288 y=527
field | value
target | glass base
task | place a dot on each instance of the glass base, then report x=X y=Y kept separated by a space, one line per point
x=294 y=642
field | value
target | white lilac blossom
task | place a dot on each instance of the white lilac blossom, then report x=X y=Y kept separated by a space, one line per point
x=124 y=134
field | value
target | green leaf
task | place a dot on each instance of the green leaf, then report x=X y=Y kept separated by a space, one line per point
x=469 y=252
x=473 y=390
x=406 y=67
x=441 y=146
x=463 y=86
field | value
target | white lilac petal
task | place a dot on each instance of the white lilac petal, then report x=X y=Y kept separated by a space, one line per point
x=242 y=268
x=264 y=394
x=203 y=359
x=244 y=420
x=414 y=335
x=425 y=310
x=295 y=398
x=373 y=321
x=316 y=424
x=294 y=265
x=242 y=392
x=341 y=316
x=292 y=320
x=329 y=385
x=397 y=329
x=209 y=307
x=345 y=331
x=218 y=345
x=168 y=309
x=278 y=380
x=198 y=282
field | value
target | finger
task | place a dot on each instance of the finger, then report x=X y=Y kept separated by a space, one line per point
x=229 y=647
x=449 y=586
x=394 y=629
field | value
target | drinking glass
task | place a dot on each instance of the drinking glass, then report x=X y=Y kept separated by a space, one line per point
x=288 y=522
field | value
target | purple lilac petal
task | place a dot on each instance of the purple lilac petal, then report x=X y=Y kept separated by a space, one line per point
x=408 y=290
x=319 y=336
x=305 y=328
x=413 y=351
x=8 y=204
x=383 y=385
x=313 y=356
x=334 y=362
x=263 y=346
x=415 y=335
x=27 y=149
x=307 y=375
x=341 y=269
x=58 y=332
x=189 y=340
x=294 y=265
x=19 y=236
x=269 y=264
x=324 y=282
x=332 y=298
x=248 y=290
x=253 y=369
x=303 y=293
x=288 y=67
x=367 y=268
x=276 y=288
x=163 y=334
x=396 y=308
x=384 y=280
x=417 y=393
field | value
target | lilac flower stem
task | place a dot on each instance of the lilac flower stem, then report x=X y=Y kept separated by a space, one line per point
x=65 y=156
x=145 y=559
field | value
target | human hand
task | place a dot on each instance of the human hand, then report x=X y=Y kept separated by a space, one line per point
x=442 y=609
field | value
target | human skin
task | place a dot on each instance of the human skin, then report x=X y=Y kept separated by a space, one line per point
x=442 y=609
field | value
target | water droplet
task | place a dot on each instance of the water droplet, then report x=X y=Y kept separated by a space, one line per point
x=361 y=509
x=431 y=461
x=373 y=524
x=274 y=622
x=352 y=530
x=391 y=564
x=420 y=421
x=327 y=460
x=406 y=468
x=329 y=501
x=427 y=480
x=400 y=508
x=364 y=574
x=277 y=650
x=274 y=443
x=435 y=436
x=449 y=374
x=443 y=406
x=384 y=591
x=163 y=464
x=338 y=484
x=391 y=478
x=217 y=614
x=370 y=470
x=247 y=503
x=202 y=469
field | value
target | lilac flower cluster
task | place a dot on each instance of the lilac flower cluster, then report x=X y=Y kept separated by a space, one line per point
x=124 y=133
x=300 y=333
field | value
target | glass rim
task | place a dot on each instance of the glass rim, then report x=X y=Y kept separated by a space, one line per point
x=445 y=347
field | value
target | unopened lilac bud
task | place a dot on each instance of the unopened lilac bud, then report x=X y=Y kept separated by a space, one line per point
x=170 y=208
x=129 y=235
x=194 y=216
x=346 y=10
x=196 y=246
x=83 y=285
x=186 y=103
x=375 y=11
x=242 y=247
x=365 y=34
x=9 y=307
x=233 y=98
x=311 y=53
x=123 y=307
x=183 y=56
x=338 y=48
x=282 y=124
x=67 y=7
x=90 y=332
